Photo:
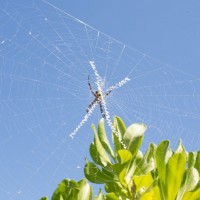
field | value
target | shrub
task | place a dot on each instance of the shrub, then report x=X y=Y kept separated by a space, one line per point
x=127 y=174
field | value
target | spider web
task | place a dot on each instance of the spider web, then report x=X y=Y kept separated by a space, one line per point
x=44 y=66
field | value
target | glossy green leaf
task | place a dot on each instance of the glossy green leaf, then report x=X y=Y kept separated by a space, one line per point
x=117 y=168
x=112 y=196
x=85 y=192
x=174 y=174
x=191 y=178
x=115 y=187
x=94 y=154
x=147 y=164
x=103 y=138
x=61 y=198
x=145 y=186
x=110 y=172
x=150 y=153
x=132 y=165
x=94 y=174
x=97 y=151
x=44 y=198
x=122 y=177
x=152 y=193
x=162 y=155
x=66 y=189
x=133 y=137
x=143 y=181
x=194 y=160
x=119 y=126
x=100 y=196
x=192 y=195
x=124 y=155
x=191 y=159
x=147 y=196
x=181 y=149
x=197 y=162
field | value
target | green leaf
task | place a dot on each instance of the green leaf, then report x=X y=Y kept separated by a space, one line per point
x=145 y=186
x=147 y=164
x=150 y=153
x=174 y=174
x=143 y=181
x=162 y=155
x=194 y=160
x=93 y=174
x=65 y=190
x=122 y=176
x=44 y=198
x=109 y=171
x=193 y=195
x=197 y=163
x=181 y=148
x=69 y=189
x=150 y=193
x=115 y=187
x=117 y=168
x=85 y=192
x=132 y=165
x=124 y=155
x=120 y=128
x=100 y=196
x=143 y=167
x=97 y=151
x=94 y=154
x=103 y=138
x=191 y=159
x=133 y=137
x=61 y=198
x=191 y=178
x=112 y=196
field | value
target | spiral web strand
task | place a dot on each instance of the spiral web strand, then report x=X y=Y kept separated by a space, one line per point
x=44 y=65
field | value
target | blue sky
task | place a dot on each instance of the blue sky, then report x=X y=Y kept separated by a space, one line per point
x=165 y=30
x=44 y=66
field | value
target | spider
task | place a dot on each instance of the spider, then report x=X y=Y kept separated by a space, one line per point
x=98 y=98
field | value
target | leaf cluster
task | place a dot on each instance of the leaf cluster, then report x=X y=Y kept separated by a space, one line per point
x=127 y=174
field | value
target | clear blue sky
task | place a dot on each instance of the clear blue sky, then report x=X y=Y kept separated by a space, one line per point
x=44 y=57
x=166 y=30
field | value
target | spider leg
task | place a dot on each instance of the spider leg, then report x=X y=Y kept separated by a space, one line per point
x=101 y=109
x=89 y=107
x=108 y=92
x=90 y=86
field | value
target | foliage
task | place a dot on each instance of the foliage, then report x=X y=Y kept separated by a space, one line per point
x=159 y=174
x=70 y=189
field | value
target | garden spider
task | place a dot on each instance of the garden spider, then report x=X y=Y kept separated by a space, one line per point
x=98 y=98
